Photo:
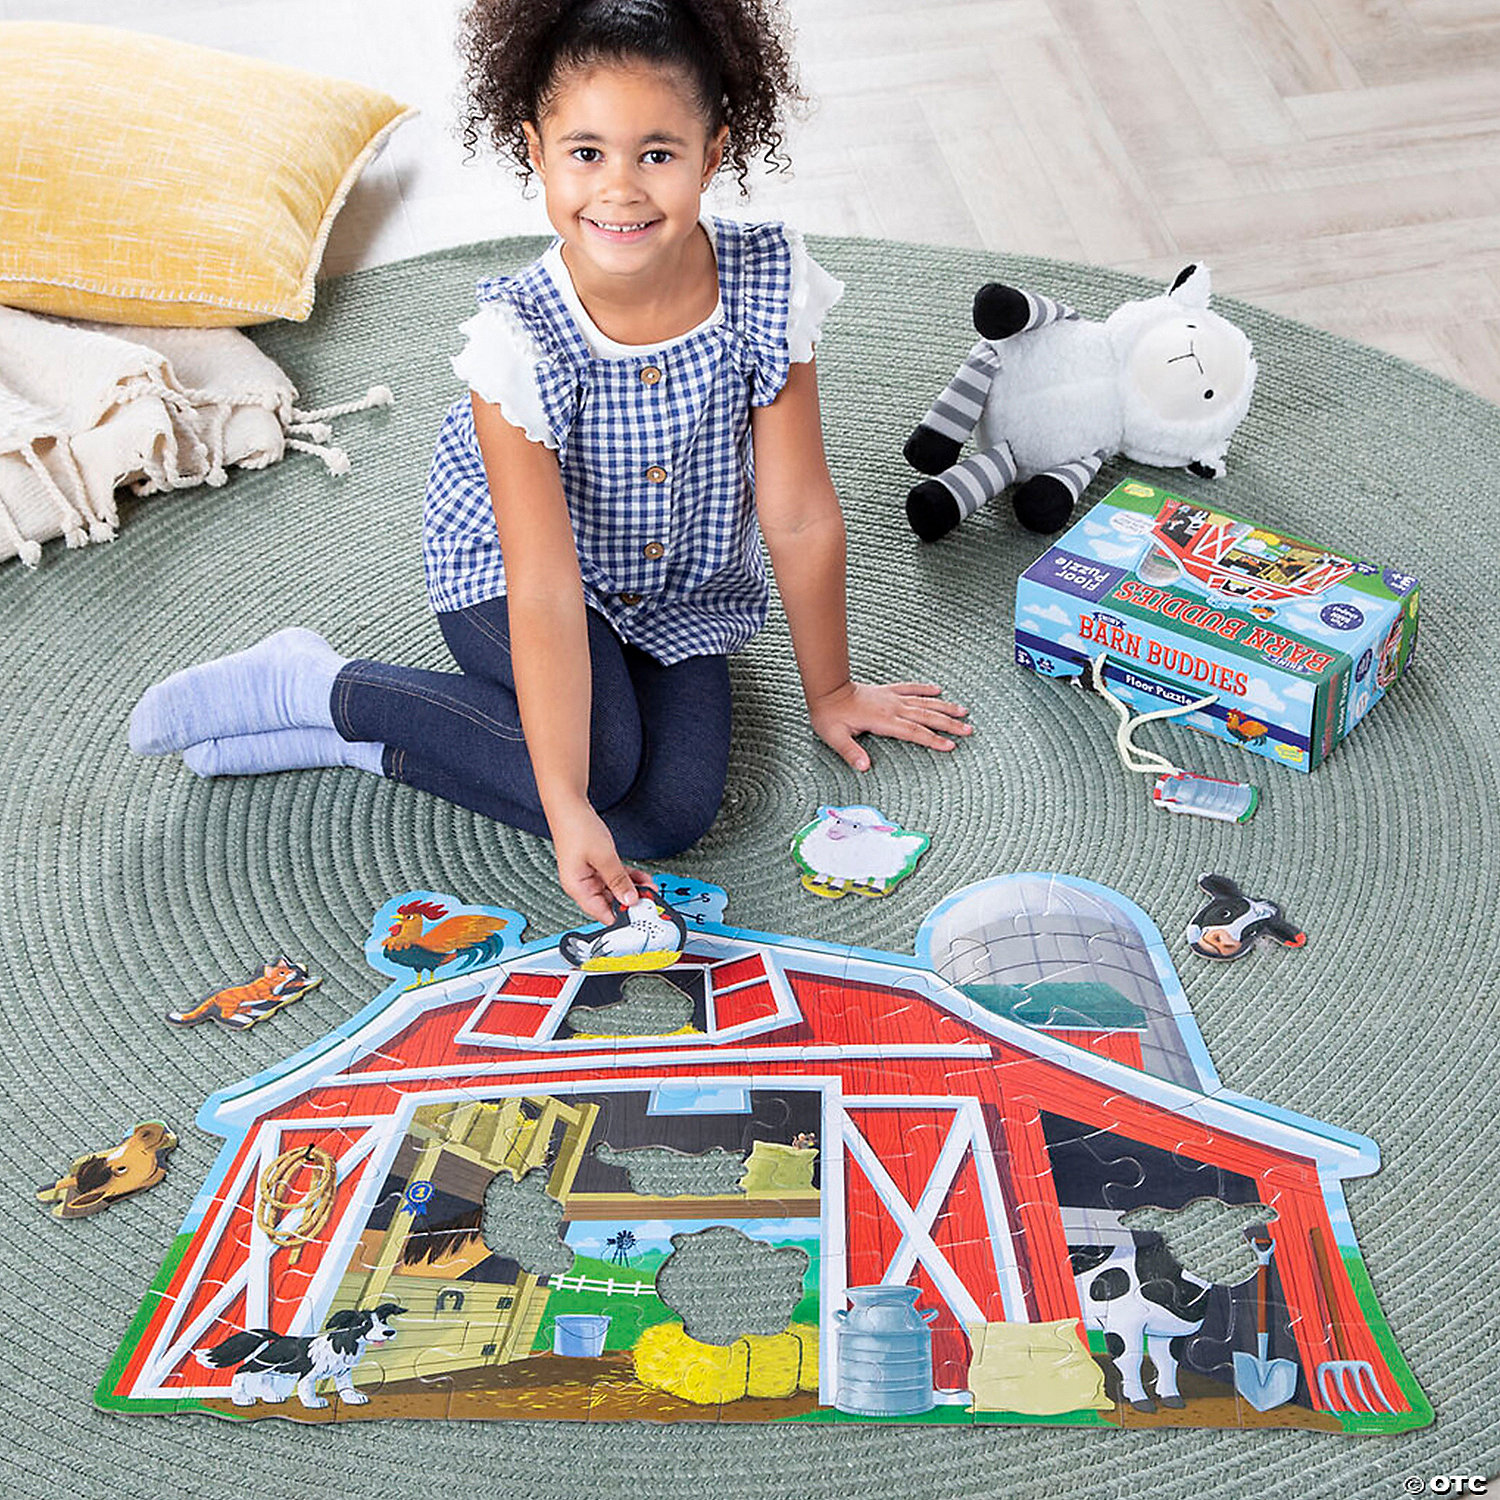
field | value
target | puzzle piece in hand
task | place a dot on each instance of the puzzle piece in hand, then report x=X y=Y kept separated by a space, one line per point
x=647 y=934
x=938 y=1139
x=855 y=849
x=239 y=1006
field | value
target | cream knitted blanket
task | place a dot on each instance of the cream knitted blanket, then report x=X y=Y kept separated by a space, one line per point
x=86 y=408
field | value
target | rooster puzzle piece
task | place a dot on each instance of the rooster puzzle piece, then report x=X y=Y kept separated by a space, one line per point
x=240 y=1006
x=953 y=1140
x=468 y=938
x=855 y=849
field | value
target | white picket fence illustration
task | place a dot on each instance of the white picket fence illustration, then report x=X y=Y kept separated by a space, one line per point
x=610 y=1287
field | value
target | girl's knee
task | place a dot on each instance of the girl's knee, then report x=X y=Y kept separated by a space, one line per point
x=614 y=766
x=668 y=826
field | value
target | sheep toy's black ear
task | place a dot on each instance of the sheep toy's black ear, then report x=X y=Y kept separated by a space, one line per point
x=1193 y=286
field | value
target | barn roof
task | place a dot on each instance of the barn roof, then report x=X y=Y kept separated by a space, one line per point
x=490 y=1055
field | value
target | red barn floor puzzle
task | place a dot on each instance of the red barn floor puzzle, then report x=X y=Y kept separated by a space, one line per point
x=944 y=1145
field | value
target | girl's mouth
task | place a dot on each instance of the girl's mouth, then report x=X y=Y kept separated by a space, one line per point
x=620 y=231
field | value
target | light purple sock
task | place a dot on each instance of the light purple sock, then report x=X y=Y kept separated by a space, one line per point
x=281 y=750
x=284 y=682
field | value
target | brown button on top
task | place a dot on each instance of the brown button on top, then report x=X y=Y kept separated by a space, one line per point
x=656 y=474
x=653 y=550
x=630 y=598
x=651 y=375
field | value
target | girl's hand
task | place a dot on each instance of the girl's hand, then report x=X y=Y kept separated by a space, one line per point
x=912 y=711
x=588 y=868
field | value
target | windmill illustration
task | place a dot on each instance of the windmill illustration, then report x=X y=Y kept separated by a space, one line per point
x=621 y=1245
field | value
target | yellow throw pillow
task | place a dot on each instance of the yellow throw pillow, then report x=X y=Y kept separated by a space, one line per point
x=153 y=182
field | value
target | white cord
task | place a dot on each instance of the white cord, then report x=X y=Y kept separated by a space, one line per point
x=1132 y=757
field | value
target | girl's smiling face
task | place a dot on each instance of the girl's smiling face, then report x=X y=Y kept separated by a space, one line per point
x=624 y=154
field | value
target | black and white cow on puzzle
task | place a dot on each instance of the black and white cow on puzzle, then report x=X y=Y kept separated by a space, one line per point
x=1232 y=922
x=1143 y=1302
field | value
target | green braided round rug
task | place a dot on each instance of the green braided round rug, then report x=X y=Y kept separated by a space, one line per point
x=132 y=885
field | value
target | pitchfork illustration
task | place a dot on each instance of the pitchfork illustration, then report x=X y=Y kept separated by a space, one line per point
x=1344 y=1384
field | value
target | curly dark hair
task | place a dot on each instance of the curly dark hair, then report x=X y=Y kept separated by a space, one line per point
x=734 y=51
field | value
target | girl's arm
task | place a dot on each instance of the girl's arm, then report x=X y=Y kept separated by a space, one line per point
x=804 y=531
x=550 y=654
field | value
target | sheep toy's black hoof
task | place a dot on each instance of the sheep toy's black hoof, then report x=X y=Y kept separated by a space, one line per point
x=1000 y=311
x=1042 y=504
x=931 y=510
x=929 y=452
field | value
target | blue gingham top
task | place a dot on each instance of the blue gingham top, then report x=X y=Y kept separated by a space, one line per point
x=655 y=453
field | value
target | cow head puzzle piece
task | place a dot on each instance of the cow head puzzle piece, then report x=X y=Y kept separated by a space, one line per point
x=942 y=1147
x=1232 y=923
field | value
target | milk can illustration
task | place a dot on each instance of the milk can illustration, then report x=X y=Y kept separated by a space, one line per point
x=884 y=1353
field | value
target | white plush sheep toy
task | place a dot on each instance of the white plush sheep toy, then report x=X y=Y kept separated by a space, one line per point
x=855 y=849
x=1049 y=396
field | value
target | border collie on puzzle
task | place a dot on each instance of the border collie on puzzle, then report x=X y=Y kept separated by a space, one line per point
x=272 y=1365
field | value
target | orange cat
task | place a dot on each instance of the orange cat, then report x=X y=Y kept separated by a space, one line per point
x=278 y=983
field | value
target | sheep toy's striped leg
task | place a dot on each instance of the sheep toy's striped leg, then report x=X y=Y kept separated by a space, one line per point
x=941 y=434
x=937 y=505
x=1046 y=500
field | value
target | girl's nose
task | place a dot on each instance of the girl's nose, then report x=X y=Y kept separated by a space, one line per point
x=620 y=182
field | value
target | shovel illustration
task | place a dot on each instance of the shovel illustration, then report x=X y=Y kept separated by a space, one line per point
x=1263 y=1382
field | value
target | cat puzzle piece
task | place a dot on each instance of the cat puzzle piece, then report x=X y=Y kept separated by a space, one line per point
x=1232 y=923
x=855 y=849
x=647 y=934
x=240 y=1006
x=96 y=1180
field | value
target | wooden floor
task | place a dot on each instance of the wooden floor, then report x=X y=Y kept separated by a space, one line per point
x=1336 y=160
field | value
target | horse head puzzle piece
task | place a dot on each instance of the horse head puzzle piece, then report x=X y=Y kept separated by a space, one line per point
x=856 y=849
x=1232 y=923
x=97 y=1179
x=933 y=1156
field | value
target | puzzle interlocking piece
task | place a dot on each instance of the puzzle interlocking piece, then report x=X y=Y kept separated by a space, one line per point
x=482 y=1195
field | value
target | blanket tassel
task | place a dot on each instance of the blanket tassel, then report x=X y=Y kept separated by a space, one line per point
x=315 y=431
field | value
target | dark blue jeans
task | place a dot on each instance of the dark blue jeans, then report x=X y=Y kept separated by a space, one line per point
x=658 y=736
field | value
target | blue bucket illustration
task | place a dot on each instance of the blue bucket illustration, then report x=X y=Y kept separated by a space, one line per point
x=580 y=1335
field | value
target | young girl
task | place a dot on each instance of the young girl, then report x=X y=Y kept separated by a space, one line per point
x=639 y=397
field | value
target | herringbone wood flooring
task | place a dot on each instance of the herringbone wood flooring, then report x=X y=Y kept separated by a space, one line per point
x=1337 y=160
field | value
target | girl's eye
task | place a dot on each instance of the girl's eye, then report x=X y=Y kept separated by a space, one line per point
x=586 y=153
x=657 y=158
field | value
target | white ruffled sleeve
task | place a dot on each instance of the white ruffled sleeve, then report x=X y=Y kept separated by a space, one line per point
x=814 y=291
x=498 y=362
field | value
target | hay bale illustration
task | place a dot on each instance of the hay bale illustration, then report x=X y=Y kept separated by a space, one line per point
x=769 y=1366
